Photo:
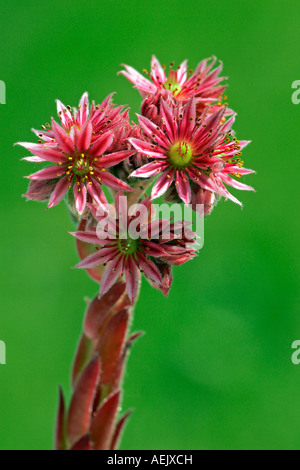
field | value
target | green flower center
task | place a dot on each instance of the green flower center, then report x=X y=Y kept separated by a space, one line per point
x=180 y=154
x=172 y=84
x=81 y=165
x=127 y=246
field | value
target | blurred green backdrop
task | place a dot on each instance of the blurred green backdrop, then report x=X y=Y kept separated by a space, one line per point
x=214 y=369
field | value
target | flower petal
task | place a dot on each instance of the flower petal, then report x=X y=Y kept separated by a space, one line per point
x=112 y=159
x=183 y=187
x=115 y=183
x=147 y=149
x=201 y=179
x=149 y=268
x=101 y=144
x=162 y=184
x=132 y=278
x=148 y=170
x=64 y=114
x=100 y=257
x=59 y=192
x=158 y=72
x=48 y=173
x=151 y=130
x=80 y=196
x=96 y=192
x=138 y=80
x=83 y=109
x=63 y=139
x=153 y=249
x=187 y=123
x=84 y=137
x=236 y=184
x=45 y=153
x=112 y=272
x=170 y=124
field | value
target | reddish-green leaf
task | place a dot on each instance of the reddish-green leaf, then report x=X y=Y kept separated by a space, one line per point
x=118 y=430
x=60 y=437
x=82 y=401
x=100 y=309
x=82 y=444
x=82 y=357
x=111 y=344
x=103 y=424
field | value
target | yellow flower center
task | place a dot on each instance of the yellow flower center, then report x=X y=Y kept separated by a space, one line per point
x=172 y=84
x=180 y=154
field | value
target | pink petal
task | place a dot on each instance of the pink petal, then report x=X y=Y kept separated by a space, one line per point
x=64 y=114
x=228 y=125
x=48 y=173
x=112 y=182
x=64 y=141
x=149 y=269
x=148 y=170
x=171 y=125
x=228 y=195
x=80 y=196
x=201 y=179
x=151 y=130
x=47 y=136
x=101 y=144
x=236 y=184
x=112 y=159
x=97 y=194
x=187 y=123
x=59 y=192
x=111 y=274
x=132 y=279
x=157 y=71
x=137 y=79
x=100 y=113
x=46 y=154
x=153 y=249
x=84 y=137
x=181 y=72
x=33 y=159
x=88 y=237
x=100 y=257
x=237 y=169
x=162 y=184
x=83 y=109
x=183 y=187
x=147 y=148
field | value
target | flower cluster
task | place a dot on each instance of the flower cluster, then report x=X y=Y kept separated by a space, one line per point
x=183 y=144
x=185 y=148
x=82 y=149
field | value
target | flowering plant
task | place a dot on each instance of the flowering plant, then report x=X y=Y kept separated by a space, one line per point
x=185 y=148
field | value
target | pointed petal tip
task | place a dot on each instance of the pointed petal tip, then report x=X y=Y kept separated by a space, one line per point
x=50 y=205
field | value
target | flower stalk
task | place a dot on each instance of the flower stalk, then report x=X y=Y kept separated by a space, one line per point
x=91 y=421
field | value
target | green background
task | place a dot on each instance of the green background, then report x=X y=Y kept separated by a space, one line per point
x=214 y=369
